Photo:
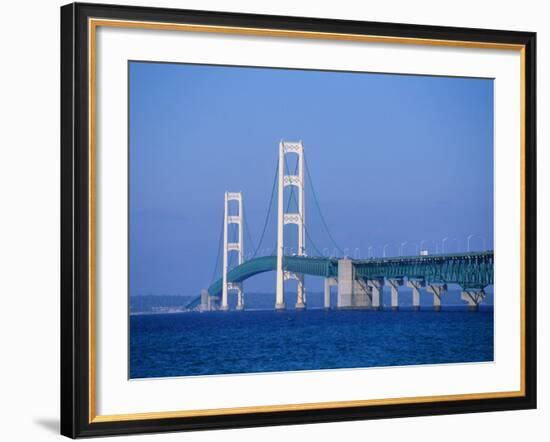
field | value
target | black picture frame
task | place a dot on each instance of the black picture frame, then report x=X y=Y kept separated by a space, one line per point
x=75 y=221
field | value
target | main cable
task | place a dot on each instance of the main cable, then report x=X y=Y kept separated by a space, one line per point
x=266 y=221
x=247 y=230
x=220 y=241
x=319 y=209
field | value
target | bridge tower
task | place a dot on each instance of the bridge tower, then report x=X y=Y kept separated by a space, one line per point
x=298 y=218
x=237 y=246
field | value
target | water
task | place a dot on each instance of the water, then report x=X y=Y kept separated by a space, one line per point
x=184 y=344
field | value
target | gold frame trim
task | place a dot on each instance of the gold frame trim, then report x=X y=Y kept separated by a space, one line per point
x=93 y=24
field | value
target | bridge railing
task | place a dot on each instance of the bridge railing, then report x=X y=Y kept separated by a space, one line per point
x=469 y=270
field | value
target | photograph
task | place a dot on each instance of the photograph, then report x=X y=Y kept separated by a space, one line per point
x=274 y=221
x=285 y=220
x=278 y=220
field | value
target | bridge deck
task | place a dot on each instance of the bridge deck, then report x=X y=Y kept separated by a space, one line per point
x=469 y=270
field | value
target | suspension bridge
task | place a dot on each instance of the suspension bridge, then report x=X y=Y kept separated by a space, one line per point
x=359 y=282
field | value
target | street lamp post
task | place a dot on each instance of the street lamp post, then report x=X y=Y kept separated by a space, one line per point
x=484 y=244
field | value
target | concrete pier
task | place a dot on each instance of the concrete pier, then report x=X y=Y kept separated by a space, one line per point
x=326 y=300
x=240 y=300
x=473 y=298
x=212 y=303
x=345 y=283
x=437 y=290
x=362 y=295
x=204 y=301
x=376 y=286
x=329 y=282
x=394 y=284
x=301 y=293
x=352 y=293
x=416 y=285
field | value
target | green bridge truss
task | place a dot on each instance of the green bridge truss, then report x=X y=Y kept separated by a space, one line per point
x=469 y=270
x=473 y=270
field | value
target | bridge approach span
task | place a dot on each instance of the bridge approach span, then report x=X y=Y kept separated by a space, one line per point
x=469 y=270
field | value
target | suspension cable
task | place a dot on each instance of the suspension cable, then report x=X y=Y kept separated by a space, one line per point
x=306 y=229
x=274 y=248
x=220 y=241
x=266 y=221
x=292 y=196
x=247 y=229
x=319 y=208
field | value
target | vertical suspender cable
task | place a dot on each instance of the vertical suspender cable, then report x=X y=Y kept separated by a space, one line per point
x=218 y=254
x=273 y=190
x=319 y=209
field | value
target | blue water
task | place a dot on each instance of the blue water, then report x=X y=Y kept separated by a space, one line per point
x=184 y=344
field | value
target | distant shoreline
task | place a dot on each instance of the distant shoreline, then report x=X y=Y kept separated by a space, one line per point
x=426 y=308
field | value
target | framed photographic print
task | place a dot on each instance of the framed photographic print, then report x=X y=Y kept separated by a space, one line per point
x=274 y=220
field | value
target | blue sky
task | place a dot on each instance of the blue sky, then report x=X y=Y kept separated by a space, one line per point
x=393 y=158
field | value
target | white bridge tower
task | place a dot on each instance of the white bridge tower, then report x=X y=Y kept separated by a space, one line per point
x=237 y=246
x=298 y=218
